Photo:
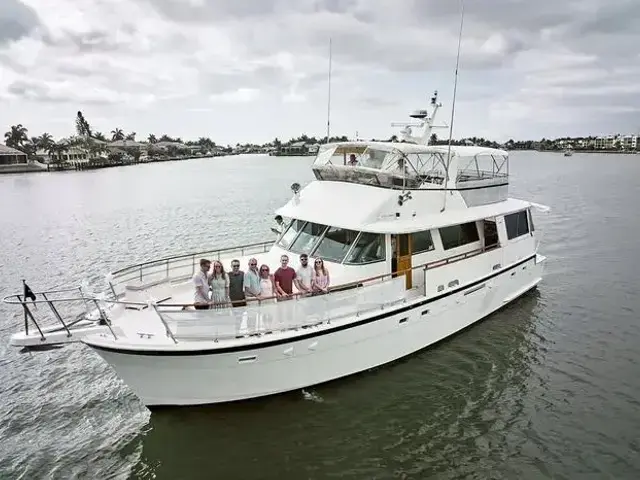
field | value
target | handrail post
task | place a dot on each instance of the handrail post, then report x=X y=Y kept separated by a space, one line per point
x=113 y=291
x=104 y=318
x=55 y=312
x=167 y=268
x=166 y=327
x=26 y=321
x=140 y=273
x=28 y=312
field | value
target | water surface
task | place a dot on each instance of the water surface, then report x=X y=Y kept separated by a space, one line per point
x=546 y=388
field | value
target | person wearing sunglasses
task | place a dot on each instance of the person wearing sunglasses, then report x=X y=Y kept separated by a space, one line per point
x=320 y=279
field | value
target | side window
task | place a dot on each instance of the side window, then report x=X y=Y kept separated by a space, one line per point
x=459 y=235
x=368 y=249
x=517 y=224
x=421 y=242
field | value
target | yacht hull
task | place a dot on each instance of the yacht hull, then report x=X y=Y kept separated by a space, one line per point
x=244 y=372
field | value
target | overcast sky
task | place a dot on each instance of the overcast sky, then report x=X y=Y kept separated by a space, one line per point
x=251 y=70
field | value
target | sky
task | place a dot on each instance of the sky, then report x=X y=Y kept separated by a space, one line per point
x=247 y=71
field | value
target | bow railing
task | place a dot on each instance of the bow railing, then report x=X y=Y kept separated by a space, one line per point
x=174 y=268
x=259 y=315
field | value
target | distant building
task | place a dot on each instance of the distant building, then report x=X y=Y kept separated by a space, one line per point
x=606 y=142
x=11 y=156
x=70 y=154
x=299 y=149
x=629 y=142
x=122 y=144
x=624 y=142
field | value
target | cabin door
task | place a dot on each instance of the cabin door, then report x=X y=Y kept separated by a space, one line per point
x=402 y=256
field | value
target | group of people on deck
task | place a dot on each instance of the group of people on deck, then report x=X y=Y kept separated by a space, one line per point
x=216 y=288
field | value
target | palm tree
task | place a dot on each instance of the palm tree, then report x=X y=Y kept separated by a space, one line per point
x=16 y=137
x=44 y=141
x=82 y=126
x=152 y=138
x=99 y=136
x=55 y=151
x=131 y=136
x=30 y=146
x=117 y=134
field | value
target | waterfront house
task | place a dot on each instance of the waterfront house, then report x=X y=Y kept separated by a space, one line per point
x=118 y=145
x=299 y=149
x=11 y=156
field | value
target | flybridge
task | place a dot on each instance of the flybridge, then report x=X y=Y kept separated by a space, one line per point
x=412 y=164
x=407 y=166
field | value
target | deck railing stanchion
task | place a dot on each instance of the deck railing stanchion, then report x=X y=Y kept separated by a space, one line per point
x=86 y=305
x=56 y=313
x=28 y=312
x=105 y=319
x=26 y=321
x=166 y=327
x=113 y=291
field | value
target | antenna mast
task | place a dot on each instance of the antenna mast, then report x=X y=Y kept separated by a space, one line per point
x=453 y=106
x=329 y=96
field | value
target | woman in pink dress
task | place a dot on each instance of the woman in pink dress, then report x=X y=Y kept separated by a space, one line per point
x=320 y=277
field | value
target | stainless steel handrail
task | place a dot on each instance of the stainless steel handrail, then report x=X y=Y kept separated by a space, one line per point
x=16 y=299
x=160 y=270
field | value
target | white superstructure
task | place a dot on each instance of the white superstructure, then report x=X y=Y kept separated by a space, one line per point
x=421 y=242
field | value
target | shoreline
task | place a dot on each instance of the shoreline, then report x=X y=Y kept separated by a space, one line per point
x=34 y=167
x=620 y=152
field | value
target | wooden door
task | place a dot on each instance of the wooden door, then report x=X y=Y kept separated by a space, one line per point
x=403 y=256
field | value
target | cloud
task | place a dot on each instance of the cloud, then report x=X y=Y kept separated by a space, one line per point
x=16 y=21
x=241 y=95
x=199 y=67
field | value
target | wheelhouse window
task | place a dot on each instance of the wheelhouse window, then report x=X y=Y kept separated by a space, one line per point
x=421 y=242
x=517 y=224
x=459 y=235
x=290 y=235
x=335 y=244
x=369 y=248
x=308 y=237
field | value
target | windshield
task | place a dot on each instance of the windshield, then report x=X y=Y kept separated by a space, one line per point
x=291 y=233
x=308 y=237
x=368 y=249
x=335 y=244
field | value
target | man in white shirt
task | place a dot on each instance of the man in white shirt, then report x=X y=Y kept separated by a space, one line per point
x=303 y=275
x=201 y=282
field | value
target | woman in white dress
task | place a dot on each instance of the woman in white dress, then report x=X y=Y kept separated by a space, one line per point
x=219 y=283
x=266 y=297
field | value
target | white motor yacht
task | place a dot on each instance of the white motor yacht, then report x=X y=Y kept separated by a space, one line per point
x=421 y=242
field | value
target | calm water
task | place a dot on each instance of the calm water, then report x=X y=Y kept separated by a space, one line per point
x=547 y=388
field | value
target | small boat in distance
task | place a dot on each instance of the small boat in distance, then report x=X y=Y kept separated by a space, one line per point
x=568 y=151
x=422 y=241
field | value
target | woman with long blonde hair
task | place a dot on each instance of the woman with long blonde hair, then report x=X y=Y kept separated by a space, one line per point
x=219 y=283
x=320 y=277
